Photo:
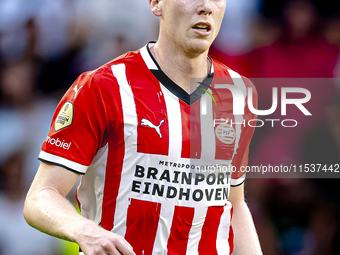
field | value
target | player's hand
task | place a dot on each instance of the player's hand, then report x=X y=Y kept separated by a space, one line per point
x=98 y=241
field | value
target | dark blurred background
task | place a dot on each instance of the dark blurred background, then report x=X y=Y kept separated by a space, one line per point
x=46 y=44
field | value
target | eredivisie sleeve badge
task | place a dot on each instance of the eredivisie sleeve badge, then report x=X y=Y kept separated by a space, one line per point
x=65 y=117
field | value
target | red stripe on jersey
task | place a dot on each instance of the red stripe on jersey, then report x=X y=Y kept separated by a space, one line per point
x=113 y=177
x=207 y=244
x=195 y=131
x=231 y=234
x=241 y=158
x=153 y=128
x=141 y=225
x=223 y=116
x=180 y=228
x=111 y=188
x=185 y=115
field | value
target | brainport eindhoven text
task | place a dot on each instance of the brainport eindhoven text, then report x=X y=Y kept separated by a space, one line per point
x=181 y=182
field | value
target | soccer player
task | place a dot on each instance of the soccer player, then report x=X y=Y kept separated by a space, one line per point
x=126 y=129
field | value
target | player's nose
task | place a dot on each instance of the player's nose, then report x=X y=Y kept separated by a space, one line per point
x=204 y=7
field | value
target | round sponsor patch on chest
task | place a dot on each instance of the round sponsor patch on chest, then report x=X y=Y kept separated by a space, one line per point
x=225 y=133
x=65 y=117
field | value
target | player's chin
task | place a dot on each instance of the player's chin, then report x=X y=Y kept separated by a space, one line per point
x=199 y=46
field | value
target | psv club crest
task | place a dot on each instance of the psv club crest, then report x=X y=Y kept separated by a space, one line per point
x=225 y=133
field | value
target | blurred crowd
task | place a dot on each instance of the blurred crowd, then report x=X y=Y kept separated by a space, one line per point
x=46 y=44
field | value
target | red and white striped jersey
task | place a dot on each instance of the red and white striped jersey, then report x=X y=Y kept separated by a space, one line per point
x=142 y=145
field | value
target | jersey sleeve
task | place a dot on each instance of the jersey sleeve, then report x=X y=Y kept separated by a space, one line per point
x=78 y=127
x=240 y=160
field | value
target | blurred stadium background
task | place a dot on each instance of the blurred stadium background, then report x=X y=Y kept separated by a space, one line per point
x=46 y=44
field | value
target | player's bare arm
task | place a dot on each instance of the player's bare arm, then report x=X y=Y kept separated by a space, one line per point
x=245 y=237
x=47 y=209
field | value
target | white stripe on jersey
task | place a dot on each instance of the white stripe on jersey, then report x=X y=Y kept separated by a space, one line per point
x=222 y=242
x=175 y=149
x=62 y=161
x=195 y=233
x=130 y=137
x=208 y=142
x=238 y=81
x=163 y=229
x=91 y=202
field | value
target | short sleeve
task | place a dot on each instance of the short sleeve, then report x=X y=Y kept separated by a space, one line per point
x=78 y=127
x=240 y=160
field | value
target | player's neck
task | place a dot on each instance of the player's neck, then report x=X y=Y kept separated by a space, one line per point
x=179 y=67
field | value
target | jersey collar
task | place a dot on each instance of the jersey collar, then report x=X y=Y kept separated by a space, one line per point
x=189 y=99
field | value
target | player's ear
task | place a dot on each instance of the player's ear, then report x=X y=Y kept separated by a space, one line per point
x=155 y=6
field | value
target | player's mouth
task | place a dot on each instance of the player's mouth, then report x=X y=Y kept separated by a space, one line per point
x=202 y=28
